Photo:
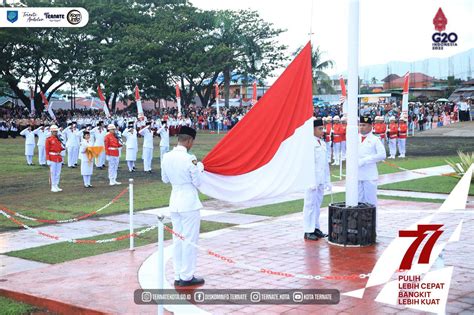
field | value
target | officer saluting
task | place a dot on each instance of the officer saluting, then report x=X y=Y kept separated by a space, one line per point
x=314 y=195
x=182 y=170
x=371 y=151
x=54 y=147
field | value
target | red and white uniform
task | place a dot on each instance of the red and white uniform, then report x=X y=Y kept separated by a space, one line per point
x=392 y=141
x=380 y=129
x=112 y=145
x=327 y=138
x=53 y=148
x=402 y=138
x=337 y=132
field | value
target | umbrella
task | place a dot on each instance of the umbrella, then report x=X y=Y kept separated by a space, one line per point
x=442 y=100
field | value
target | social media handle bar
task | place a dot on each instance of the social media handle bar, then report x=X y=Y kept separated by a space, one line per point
x=238 y=296
x=44 y=17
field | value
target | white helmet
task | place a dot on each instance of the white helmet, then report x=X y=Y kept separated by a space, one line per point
x=336 y=118
x=53 y=128
x=110 y=127
x=392 y=118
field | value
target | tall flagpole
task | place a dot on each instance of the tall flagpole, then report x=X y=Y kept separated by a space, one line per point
x=352 y=165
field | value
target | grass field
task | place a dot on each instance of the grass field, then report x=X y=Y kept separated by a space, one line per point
x=12 y=307
x=25 y=189
x=433 y=184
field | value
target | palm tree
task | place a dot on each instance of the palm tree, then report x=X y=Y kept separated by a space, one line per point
x=373 y=80
x=321 y=81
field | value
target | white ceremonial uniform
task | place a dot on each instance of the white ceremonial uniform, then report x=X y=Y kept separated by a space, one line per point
x=119 y=135
x=63 y=141
x=314 y=195
x=72 y=146
x=179 y=170
x=132 y=147
x=147 y=154
x=87 y=167
x=371 y=151
x=99 y=136
x=164 y=142
x=42 y=135
x=29 y=144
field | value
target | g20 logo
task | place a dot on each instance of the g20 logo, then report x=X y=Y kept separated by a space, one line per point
x=444 y=37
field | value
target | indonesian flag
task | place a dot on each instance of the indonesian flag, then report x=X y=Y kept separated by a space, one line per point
x=102 y=101
x=406 y=86
x=343 y=98
x=48 y=107
x=178 y=98
x=270 y=152
x=216 y=91
x=254 y=93
x=139 y=103
x=32 y=102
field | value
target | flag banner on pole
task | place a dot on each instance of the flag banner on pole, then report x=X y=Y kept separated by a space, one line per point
x=406 y=86
x=270 y=152
x=178 y=99
x=343 y=98
x=102 y=101
x=139 y=103
x=47 y=106
x=216 y=91
x=32 y=102
x=254 y=93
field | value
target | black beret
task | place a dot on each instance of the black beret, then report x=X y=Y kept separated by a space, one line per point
x=317 y=122
x=163 y=122
x=148 y=123
x=86 y=133
x=365 y=120
x=185 y=130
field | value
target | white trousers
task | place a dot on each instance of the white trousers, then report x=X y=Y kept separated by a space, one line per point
x=343 y=150
x=147 y=157
x=328 y=151
x=185 y=255
x=131 y=165
x=29 y=159
x=337 y=151
x=55 y=172
x=392 y=146
x=401 y=146
x=163 y=150
x=368 y=192
x=72 y=155
x=41 y=155
x=100 y=160
x=113 y=167
x=312 y=203
x=87 y=179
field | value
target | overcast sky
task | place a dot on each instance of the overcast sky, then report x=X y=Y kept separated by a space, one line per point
x=389 y=30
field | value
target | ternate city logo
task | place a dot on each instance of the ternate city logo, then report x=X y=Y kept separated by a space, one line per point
x=420 y=235
x=440 y=38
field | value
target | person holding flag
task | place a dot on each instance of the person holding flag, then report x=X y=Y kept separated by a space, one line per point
x=54 y=147
x=87 y=165
x=131 y=144
x=99 y=133
x=112 y=144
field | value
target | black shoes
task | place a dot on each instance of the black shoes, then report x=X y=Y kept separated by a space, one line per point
x=310 y=237
x=319 y=234
x=194 y=281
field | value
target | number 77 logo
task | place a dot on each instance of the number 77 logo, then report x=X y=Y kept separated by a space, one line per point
x=420 y=236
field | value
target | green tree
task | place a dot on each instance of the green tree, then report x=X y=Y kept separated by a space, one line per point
x=321 y=81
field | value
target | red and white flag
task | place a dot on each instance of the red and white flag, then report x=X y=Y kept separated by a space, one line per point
x=102 y=101
x=406 y=87
x=32 y=102
x=254 y=93
x=178 y=98
x=216 y=91
x=138 y=100
x=47 y=106
x=343 y=97
x=270 y=152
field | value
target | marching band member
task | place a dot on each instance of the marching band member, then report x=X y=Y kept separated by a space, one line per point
x=54 y=147
x=314 y=195
x=112 y=144
x=183 y=171
x=165 y=139
x=371 y=151
x=147 y=154
x=87 y=166
x=337 y=132
x=131 y=144
x=392 y=137
x=99 y=134
x=402 y=136
x=29 y=144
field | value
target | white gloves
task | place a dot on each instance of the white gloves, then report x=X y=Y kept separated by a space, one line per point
x=200 y=167
x=48 y=162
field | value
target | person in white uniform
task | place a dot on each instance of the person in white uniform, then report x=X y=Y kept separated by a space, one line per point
x=72 y=144
x=371 y=151
x=42 y=132
x=87 y=166
x=182 y=170
x=131 y=144
x=147 y=154
x=29 y=135
x=99 y=133
x=164 y=133
x=314 y=195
